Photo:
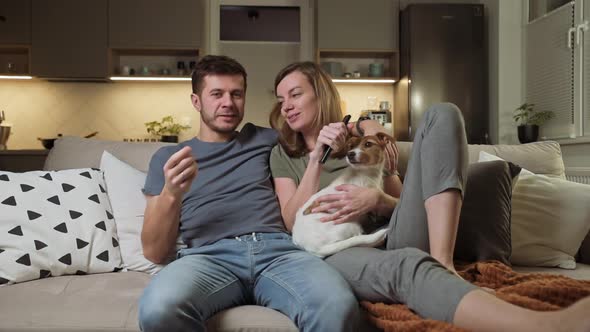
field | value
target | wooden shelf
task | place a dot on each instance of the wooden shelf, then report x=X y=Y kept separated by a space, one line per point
x=359 y=60
x=160 y=63
x=18 y=56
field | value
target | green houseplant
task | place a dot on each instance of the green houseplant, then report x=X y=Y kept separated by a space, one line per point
x=167 y=129
x=529 y=120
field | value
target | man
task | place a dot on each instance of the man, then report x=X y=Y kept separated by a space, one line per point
x=216 y=190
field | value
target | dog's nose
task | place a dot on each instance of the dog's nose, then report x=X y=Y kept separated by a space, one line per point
x=351 y=154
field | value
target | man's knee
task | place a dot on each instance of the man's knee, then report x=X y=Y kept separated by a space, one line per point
x=338 y=312
x=161 y=311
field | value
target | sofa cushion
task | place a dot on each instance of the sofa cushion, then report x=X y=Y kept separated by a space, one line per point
x=124 y=184
x=550 y=219
x=75 y=152
x=107 y=302
x=55 y=223
x=484 y=225
x=581 y=272
x=538 y=157
x=98 y=302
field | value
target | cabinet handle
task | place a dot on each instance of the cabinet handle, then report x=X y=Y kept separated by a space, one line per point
x=2 y=18
x=570 y=36
x=579 y=30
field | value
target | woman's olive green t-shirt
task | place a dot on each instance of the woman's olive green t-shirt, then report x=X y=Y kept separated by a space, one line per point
x=283 y=166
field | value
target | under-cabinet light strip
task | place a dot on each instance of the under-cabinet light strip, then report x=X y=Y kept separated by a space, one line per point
x=352 y=80
x=139 y=78
x=15 y=77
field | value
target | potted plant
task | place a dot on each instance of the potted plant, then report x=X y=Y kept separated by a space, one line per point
x=167 y=129
x=529 y=120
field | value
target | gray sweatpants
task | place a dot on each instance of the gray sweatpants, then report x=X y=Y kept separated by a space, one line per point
x=405 y=273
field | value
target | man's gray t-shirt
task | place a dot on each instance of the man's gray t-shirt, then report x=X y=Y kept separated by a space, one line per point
x=232 y=194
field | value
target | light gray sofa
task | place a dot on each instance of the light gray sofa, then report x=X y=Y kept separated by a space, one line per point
x=108 y=302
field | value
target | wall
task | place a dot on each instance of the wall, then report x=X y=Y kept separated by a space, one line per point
x=119 y=110
x=115 y=110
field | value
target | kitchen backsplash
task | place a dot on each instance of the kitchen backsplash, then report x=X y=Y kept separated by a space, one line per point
x=118 y=110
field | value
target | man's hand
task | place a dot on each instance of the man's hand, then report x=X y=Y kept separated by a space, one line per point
x=179 y=172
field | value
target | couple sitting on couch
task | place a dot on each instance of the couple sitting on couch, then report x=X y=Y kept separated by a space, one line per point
x=216 y=189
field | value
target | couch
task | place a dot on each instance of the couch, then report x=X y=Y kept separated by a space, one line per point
x=108 y=301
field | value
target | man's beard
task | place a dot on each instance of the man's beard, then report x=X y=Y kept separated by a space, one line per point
x=210 y=122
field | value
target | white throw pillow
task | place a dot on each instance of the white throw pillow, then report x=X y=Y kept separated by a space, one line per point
x=550 y=219
x=55 y=223
x=124 y=184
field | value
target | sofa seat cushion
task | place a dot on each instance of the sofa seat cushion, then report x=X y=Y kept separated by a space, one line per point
x=250 y=318
x=581 y=272
x=98 y=302
x=107 y=302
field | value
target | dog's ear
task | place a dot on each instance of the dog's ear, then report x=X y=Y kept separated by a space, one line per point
x=350 y=143
x=384 y=138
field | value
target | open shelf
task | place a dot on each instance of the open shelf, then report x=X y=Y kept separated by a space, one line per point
x=151 y=64
x=14 y=60
x=344 y=62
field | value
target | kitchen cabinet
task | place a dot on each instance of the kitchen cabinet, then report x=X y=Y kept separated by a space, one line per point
x=22 y=160
x=15 y=36
x=355 y=35
x=69 y=39
x=153 y=37
x=15 y=22
x=358 y=25
x=155 y=23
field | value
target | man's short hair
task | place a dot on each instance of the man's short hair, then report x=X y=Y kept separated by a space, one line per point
x=215 y=65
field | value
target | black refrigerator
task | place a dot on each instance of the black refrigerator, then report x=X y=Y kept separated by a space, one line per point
x=443 y=58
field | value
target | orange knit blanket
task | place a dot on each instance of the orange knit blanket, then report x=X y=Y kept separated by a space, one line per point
x=535 y=291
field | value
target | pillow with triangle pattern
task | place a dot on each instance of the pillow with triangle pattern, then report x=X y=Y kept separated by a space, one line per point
x=56 y=223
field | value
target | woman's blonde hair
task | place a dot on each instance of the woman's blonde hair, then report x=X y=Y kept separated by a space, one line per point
x=328 y=99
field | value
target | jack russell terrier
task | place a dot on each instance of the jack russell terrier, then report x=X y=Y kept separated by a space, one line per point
x=366 y=157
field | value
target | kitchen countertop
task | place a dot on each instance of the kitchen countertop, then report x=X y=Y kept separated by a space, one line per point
x=35 y=152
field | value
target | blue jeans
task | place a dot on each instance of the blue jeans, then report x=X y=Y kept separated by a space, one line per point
x=265 y=269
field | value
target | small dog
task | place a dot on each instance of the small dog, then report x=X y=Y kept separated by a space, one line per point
x=366 y=157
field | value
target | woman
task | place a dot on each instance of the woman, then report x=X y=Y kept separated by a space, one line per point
x=307 y=117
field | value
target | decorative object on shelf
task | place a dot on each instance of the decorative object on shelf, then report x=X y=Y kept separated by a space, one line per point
x=376 y=69
x=4 y=131
x=181 y=71
x=126 y=70
x=333 y=68
x=49 y=142
x=167 y=129
x=529 y=121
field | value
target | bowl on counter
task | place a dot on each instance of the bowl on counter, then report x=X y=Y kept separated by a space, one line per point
x=48 y=142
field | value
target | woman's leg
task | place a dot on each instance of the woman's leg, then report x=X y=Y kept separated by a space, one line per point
x=481 y=311
x=427 y=214
x=412 y=277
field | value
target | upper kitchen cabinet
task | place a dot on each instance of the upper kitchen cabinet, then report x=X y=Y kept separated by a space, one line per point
x=358 y=40
x=154 y=38
x=358 y=25
x=155 y=23
x=15 y=22
x=69 y=39
x=15 y=36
